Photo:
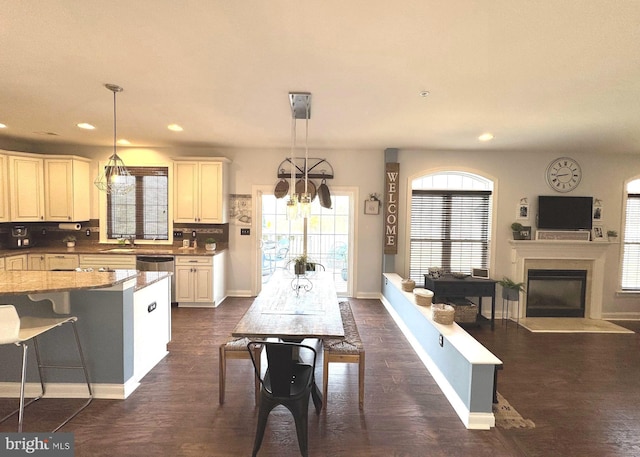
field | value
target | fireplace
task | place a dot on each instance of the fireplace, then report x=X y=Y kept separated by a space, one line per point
x=556 y=293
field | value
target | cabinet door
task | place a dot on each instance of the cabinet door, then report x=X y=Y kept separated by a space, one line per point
x=26 y=179
x=36 y=262
x=210 y=201
x=185 y=207
x=16 y=262
x=185 y=280
x=61 y=262
x=67 y=190
x=203 y=290
x=2 y=265
x=4 y=189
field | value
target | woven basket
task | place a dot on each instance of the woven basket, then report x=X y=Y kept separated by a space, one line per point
x=442 y=314
x=423 y=296
x=465 y=313
x=408 y=284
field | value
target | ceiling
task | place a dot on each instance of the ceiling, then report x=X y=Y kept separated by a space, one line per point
x=544 y=75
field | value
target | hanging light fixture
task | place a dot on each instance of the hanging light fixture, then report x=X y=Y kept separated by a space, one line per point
x=299 y=204
x=114 y=179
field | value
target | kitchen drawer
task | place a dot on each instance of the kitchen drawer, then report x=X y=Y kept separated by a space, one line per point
x=194 y=260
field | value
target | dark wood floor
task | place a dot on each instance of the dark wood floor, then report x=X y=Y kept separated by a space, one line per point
x=581 y=390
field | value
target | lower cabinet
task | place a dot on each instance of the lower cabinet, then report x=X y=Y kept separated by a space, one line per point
x=200 y=280
x=36 y=262
x=61 y=261
x=108 y=261
x=16 y=262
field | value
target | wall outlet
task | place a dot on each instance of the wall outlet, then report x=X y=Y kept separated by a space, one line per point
x=177 y=234
x=441 y=340
x=194 y=234
x=88 y=232
x=245 y=231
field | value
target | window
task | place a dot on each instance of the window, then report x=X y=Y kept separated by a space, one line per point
x=451 y=226
x=631 y=239
x=143 y=212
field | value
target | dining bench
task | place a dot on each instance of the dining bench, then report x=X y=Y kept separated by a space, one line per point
x=349 y=349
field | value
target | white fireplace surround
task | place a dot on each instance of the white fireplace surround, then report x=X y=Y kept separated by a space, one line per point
x=563 y=255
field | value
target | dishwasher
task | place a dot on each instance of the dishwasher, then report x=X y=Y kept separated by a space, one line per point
x=158 y=263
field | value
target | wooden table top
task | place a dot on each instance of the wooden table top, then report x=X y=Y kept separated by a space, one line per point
x=279 y=312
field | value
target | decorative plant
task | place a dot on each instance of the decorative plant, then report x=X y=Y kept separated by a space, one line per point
x=300 y=264
x=210 y=240
x=69 y=239
x=516 y=227
x=508 y=283
x=612 y=233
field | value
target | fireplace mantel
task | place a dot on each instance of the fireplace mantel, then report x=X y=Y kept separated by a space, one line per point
x=593 y=252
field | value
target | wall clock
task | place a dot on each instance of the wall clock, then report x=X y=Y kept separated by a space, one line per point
x=563 y=174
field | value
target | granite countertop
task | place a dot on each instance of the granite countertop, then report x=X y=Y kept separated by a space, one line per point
x=36 y=282
x=146 y=249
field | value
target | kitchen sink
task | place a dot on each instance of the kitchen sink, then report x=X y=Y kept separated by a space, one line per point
x=119 y=250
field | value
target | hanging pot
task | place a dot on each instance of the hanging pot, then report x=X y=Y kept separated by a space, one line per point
x=324 y=195
x=282 y=188
x=311 y=187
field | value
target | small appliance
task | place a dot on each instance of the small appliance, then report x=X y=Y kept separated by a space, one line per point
x=19 y=237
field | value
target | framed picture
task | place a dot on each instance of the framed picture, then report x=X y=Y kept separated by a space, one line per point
x=523 y=211
x=372 y=207
x=525 y=233
x=598 y=233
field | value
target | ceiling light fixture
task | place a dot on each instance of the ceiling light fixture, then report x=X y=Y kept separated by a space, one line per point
x=175 y=128
x=299 y=204
x=3 y=126
x=424 y=93
x=486 y=137
x=115 y=179
x=123 y=142
x=85 y=126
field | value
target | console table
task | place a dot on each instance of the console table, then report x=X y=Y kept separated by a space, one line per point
x=449 y=287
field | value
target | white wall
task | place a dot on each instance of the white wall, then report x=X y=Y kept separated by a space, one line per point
x=516 y=175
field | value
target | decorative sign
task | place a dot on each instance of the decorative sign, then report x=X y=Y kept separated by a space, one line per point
x=391 y=174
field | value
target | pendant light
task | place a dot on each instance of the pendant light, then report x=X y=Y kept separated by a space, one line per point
x=115 y=179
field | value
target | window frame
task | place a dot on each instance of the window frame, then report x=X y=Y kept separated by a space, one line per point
x=635 y=228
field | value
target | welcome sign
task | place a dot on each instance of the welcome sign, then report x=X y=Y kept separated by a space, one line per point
x=391 y=174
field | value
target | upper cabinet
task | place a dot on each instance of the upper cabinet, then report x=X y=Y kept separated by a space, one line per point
x=200 y=190
x=66 y=189
x=4 y=189
x=26 y=188
x=44 y=188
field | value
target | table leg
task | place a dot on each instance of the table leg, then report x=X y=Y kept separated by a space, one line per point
x=493 y=311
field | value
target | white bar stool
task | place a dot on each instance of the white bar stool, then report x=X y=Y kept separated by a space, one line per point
x=19 y=331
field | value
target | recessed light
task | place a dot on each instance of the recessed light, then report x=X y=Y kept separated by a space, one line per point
x=85 y=126
x=124 y=142
x=3 y=126
x=486 y=137
x=424 y=93
x=175 y=128
x=46 y=133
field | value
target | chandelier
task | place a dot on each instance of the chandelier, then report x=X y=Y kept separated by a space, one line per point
x=114 y=178
x=299 y=204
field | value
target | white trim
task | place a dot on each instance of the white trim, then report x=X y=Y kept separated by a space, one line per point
x=70 y=390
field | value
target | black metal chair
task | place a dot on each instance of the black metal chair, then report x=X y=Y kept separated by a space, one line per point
x=287 y=381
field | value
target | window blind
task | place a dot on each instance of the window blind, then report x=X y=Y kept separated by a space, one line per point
x=449 y=230
x=143 y=212
x=631 y=245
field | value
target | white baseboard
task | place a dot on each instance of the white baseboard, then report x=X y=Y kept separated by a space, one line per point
x=70 y=390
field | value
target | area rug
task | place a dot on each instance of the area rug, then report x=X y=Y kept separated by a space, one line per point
x=507 y=417
x=570 y=325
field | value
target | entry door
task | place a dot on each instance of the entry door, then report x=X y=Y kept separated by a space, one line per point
x=329 y=235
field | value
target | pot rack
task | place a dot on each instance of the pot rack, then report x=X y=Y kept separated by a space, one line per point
x=317 y=168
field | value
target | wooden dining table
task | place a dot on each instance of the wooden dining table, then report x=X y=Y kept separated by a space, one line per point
x=292 y=307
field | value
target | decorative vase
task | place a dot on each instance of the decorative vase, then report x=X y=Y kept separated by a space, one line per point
x=300 y=268
x=210 y=246
x=510 y=294
x=71 y=244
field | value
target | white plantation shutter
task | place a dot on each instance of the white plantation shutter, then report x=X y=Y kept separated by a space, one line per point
x=631 y=240
x=450 y=230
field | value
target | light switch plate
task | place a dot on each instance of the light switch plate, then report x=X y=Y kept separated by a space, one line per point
x=245 y=231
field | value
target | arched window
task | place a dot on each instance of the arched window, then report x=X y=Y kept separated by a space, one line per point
x=450 y=223
x=631 y=238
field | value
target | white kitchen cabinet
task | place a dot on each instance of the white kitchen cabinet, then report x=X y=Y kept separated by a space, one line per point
x=66 y=189
x=4 y=188
x=36 y=262
x=61 y=261
x=2 y=264
x=200 y=191
x=16 y=262
x=151 y=326
x=200 y=280
x=110 y=261
x=26 y=188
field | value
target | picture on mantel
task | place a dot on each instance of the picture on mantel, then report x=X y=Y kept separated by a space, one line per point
x=240 y=209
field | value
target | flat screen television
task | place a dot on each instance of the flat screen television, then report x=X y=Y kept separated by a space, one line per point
x=564 y=213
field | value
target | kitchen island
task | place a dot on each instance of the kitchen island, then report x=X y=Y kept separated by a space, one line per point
x=124 y=324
